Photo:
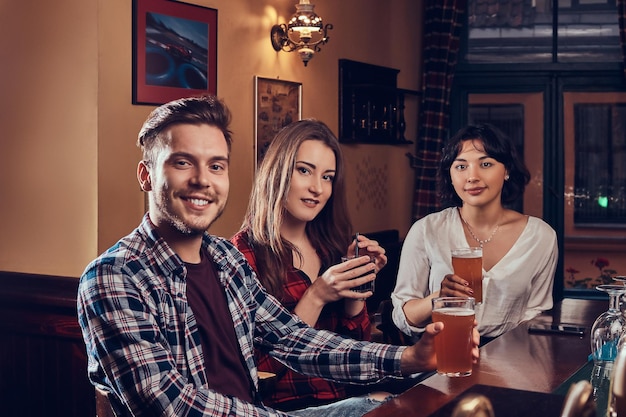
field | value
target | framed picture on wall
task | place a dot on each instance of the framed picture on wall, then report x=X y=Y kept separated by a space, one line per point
x=174 y=51
x=277 y=103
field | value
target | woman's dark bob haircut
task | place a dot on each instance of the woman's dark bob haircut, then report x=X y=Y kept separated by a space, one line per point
x=498 y=146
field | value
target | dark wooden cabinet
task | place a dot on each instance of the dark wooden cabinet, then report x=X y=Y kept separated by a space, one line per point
x=371 y=106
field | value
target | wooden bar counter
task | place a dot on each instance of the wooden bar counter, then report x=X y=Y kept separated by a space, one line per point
x=517 y=360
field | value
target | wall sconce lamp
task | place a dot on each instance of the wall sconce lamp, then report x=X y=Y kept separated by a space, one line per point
x=304 y=33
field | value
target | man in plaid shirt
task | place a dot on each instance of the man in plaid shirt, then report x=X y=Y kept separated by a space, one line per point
x=170 y=314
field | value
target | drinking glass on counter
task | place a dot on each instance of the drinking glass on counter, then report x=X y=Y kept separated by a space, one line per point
x=453 y=345
x=608 y=327
x=622 y=280
x=617 y=391
x=600 y=380
x=468 y=264
x=606 y=333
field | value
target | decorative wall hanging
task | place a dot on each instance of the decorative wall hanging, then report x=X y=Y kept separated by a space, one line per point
x=277 y=103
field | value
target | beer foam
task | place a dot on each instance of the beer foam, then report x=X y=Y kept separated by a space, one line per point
x=455 y=311
x=466 y=253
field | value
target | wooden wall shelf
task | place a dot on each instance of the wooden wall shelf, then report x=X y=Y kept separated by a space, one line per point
x=371 y=106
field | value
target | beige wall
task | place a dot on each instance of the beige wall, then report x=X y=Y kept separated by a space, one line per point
x=48 y=135
x=68 y=128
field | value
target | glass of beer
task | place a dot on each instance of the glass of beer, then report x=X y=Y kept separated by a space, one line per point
x=453 y=345
x=468 y=264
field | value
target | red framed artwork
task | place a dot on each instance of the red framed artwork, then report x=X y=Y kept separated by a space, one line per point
x=174 y=51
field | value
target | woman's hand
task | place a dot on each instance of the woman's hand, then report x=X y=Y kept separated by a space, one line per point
x=338 y=280
x=334 y=284
x=455 y=286
x=371 y=248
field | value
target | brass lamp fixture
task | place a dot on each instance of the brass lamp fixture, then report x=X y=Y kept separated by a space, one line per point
x=305 y=33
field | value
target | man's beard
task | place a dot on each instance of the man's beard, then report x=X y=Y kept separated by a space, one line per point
x=181 y=225
x=188 y=229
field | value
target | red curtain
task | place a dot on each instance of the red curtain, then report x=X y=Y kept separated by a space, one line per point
x=442 y=29
x=621 y=13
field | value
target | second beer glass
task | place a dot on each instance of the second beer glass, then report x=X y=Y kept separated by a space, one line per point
x=468 y=264
x=453 y=346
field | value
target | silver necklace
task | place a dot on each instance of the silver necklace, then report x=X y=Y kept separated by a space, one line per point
x=480 y=241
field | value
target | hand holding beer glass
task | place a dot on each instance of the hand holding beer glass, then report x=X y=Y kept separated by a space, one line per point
x=454 y=344
x=467 y=263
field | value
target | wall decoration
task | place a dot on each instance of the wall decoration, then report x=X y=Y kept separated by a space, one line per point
x=277 y=103
x=174 y=51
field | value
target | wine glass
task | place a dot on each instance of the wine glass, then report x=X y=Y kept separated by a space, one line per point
x=622 y=279
x=608 y=327
x=601 y=385
x=617 y=392
x=605 y=336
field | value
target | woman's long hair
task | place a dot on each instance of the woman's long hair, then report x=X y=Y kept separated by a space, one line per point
x=330 y=231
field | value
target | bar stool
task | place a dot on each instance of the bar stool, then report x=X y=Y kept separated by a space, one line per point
x=473 y=405
x=579 y=401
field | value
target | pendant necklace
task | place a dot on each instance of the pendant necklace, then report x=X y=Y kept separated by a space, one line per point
x=480 y=241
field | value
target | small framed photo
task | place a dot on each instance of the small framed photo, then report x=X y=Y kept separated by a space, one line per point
x=277 y=104
x=174 y=51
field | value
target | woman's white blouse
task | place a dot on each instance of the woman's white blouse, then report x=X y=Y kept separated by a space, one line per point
x=517 y=288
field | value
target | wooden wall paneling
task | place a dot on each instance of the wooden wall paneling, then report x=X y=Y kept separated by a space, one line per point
x=43 y=364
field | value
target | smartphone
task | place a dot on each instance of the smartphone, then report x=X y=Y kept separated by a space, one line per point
x=556 y=328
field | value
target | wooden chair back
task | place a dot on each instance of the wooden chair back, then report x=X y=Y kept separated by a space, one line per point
x=103 y=405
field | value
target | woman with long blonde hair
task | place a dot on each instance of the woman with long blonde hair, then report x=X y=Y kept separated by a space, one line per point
x=294 y=234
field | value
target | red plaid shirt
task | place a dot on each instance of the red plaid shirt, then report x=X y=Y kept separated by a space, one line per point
x=293 y=390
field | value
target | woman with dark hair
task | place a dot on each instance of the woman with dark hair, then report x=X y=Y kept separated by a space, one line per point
x=294 y=234
x=480 y=172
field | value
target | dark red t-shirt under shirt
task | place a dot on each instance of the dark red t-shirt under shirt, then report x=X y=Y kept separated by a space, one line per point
x=225 y=369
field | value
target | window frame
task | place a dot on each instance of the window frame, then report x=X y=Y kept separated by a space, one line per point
x=551 y=79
